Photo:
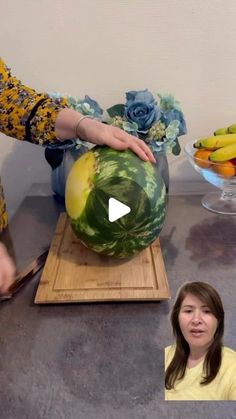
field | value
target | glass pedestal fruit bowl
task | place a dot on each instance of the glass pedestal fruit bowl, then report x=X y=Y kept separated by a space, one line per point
x=220 y=174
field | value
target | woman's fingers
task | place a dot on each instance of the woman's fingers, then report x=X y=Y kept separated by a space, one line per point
x=135 y=147
x=103 y=134
x=120 y=140
x=7 y=270
x=140 y=147
x=115 y=143
x=5 y=283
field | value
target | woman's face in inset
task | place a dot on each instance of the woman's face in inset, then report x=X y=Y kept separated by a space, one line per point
x=197 y=323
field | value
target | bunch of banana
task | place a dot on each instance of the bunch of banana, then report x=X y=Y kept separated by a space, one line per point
x=220 y=149
x=223 y=146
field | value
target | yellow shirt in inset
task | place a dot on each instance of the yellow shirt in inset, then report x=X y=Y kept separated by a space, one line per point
x=223 y=387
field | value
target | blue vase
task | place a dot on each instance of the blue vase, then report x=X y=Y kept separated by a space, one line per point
x=163 y=167
x=61 y=158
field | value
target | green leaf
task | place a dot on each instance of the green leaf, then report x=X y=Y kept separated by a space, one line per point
x=116 y=110
x=130 y=126
x=176 y=149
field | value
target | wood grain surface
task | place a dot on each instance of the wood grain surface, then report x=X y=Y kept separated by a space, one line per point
x=73 y=273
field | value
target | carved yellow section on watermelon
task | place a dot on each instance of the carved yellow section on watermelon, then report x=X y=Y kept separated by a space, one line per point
x=79 y=184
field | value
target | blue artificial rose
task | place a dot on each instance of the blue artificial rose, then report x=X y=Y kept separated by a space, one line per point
x=174 y=115
x=142 y=109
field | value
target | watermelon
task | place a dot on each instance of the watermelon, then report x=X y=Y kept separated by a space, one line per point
x=104 y=173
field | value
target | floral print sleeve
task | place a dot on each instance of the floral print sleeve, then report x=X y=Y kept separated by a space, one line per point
x=25 y=115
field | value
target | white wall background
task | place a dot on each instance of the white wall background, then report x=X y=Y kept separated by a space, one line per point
x=106 y=47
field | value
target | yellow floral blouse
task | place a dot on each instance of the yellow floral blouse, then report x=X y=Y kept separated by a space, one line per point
x=25 y=115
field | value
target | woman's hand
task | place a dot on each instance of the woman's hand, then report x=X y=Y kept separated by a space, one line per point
x=7 y=270
x=103 y=134
x=67 y=127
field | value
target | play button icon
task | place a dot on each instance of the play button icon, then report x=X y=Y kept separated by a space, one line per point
x=116 y=209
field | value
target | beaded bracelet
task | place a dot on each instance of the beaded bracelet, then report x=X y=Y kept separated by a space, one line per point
x=79 y=121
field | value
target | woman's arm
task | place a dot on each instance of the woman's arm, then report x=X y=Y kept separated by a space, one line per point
x=70 y=125
x=24 y=113
x=35 y=117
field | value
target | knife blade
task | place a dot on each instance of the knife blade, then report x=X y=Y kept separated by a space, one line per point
x=25 y=275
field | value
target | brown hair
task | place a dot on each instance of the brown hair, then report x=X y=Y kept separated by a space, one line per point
x=212 y=362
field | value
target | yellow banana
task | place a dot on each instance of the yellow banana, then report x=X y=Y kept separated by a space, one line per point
x=224 y=153
x=216 y=141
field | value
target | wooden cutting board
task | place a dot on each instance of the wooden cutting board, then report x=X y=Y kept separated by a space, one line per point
x=73 y=273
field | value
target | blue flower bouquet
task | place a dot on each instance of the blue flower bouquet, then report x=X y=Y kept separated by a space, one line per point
x=158 y=124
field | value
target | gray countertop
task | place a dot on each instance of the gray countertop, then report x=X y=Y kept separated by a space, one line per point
x=105 y=360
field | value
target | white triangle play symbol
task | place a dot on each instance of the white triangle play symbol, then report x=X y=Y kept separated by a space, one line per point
x=116 y=209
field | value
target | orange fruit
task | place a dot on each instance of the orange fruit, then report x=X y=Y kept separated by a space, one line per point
x=225 y=169
x=201 y=158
